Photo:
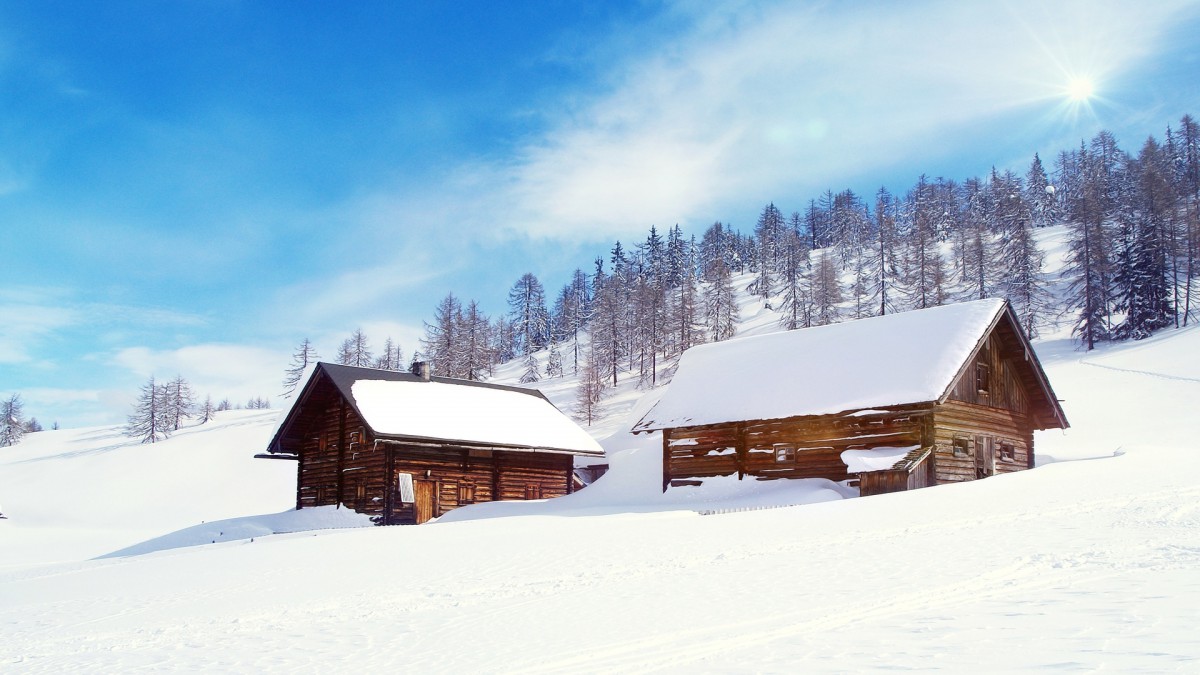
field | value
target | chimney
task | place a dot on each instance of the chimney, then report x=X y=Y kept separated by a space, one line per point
x=421 y=369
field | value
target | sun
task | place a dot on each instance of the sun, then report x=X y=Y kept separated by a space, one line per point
x=1080 y=89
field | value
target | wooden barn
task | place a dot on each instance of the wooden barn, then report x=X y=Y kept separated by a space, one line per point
x=406 y=447
x=896 y=402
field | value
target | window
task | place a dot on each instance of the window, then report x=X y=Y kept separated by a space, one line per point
x=962 y=447
x=785 y=454
x=533 y=492
x=1008 y=451
x=404 y=486
x=466 y=493
x=983 y=380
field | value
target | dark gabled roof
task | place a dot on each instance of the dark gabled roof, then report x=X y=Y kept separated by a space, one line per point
x=403 y=406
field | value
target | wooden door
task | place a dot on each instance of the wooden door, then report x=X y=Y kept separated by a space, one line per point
x=985 y=456
x=426 y=499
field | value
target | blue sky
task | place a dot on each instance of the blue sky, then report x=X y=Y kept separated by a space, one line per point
x=194 y=187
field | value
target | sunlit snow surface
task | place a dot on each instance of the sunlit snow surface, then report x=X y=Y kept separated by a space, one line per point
x=909 y=357
x=467 y=413
x=1089 y=562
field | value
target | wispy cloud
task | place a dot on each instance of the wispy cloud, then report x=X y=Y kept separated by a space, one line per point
x=751 y=102
x=222 y=370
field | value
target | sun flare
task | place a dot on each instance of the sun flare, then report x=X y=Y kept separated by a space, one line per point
x=1080 y=89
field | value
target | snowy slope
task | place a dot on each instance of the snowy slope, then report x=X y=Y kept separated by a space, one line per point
x=1089 y=562
x=1076 y=565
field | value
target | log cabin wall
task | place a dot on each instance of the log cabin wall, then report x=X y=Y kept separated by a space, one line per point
x=802 y=447
x=963 y=433
x=985 y=426
x=336 y=459
x=467 y=476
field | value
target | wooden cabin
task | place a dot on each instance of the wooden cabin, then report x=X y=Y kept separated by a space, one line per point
x=406 y=447
x=895 y=402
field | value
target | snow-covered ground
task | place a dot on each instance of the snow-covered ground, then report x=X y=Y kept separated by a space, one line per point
x=119 y=557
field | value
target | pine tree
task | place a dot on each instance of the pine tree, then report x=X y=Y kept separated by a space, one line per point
x=149 y=421
x=304 y=356
x=355 y=351
x=720 y=305
x=590 y=390
x=178 y=402
x=769 y=233
x=442 y=345
x=33 y=426
x=392 y=357
x=474 y=333
x=554 y=364
x=1142 y=280
x=531 y=369
x=531 y=320
x=1039 y=194
x=796 y=311
x=926 y=271
x=12 y=424
x=826 y=290
x=206 y=410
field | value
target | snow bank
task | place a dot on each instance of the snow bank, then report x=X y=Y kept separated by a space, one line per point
x=875 y=459
x=248 y=527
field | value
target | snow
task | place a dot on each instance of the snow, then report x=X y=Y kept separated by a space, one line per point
x=874 y=459
x=468 y=413
x=1089 y=562
x=910 y=357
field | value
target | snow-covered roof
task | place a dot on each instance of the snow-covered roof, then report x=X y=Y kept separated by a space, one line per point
x=897 y=359
x=402 y=405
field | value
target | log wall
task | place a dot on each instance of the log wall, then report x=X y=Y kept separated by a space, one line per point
x=973 y=425
x=792 y=448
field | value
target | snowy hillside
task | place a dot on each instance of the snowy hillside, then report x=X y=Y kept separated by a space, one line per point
x=1090 y=561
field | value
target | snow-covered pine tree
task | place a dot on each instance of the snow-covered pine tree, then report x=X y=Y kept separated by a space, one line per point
x=12 y=423
x=685 y=329
x=149 y=421
x=794 y=283
x=1143 y=283
x=530 y=372
x=720 y=304
x=768 y=232
x=554 y=362
x=926 y=272
x=530 y=318
x=304 y=356
x=590 y=390
x=33 y=426
x=607 y=331
x=1020 y=261
x=886 y=259
x=474 y=334
x=442 y=345
x=1186 y=171
x=826 y=290
x=1039 y=194
x=1087 y=174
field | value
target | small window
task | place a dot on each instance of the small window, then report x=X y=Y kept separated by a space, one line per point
x=533 y=492
x=466 y=493
x=360 y=492
x=962 y=447
x=1008 y=451
x=983 y=380
x=785 y=454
